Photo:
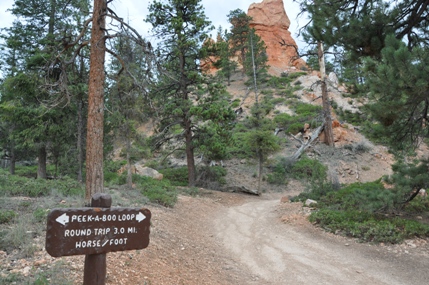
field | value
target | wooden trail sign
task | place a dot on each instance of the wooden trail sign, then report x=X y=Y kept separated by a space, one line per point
x=96 y=230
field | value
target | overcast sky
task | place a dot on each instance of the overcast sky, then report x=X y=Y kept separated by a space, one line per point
x=136 y=11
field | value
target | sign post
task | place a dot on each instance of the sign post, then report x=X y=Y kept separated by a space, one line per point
x=95 y=264
x=96 y=231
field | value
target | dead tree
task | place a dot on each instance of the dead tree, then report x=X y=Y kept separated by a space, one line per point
x=305 y=144
x=329 y=135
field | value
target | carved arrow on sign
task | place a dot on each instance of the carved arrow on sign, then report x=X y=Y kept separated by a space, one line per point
x=140 y=217
x=63 y=219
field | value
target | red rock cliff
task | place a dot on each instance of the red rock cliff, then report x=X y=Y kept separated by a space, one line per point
x=271 y=23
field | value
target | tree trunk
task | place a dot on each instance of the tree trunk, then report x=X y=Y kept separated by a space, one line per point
x=329 y=135
x=41 y=164
x=80 y=125
x=79 y=143
x=12 y=159
x=94 y=143
x=129 y=172
x=190 y=154
x=261 y=161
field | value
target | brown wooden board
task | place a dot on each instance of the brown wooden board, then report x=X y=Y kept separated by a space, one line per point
x=96 y=230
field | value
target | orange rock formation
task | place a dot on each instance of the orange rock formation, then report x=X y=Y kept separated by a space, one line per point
x=271 y=23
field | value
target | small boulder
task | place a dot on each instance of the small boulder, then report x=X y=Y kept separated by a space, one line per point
x=149 y=172
x=310 y=202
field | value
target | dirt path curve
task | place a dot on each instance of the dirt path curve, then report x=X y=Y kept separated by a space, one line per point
x=280 y=253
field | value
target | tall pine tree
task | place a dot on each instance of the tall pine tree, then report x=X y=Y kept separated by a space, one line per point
x=186 y=97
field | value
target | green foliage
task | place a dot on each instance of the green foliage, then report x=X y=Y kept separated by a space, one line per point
x=370 y=197
x=305 y=113
x=235 y=103
x=283 y=119
x=418 y=205
x=177 y=176
x=111 y=175
x=361 y=28
x=355 y=211
x=278 y=175
x=307 y=168
x=368 y=227
x=255 y=64
x=239 y=148
x=40 y=215
x=6 y=216
x=212 y=177
x=307 y=110
x=295 y=75
x=402 y=73
x=238 y=37
x=183 y=96
x=20 y=236
x=190 y=191
x=157 y=191
x=59 y=272
x=279 y=82
x=22 y=186
x=313 y=62
x=261 y=141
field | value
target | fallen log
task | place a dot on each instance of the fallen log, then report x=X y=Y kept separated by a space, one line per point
x=305 y=144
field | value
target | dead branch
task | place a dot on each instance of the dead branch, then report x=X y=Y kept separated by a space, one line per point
x=306 y=144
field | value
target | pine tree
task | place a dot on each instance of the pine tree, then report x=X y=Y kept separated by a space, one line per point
x=32 y=74
x=239 y=34
x=361 y=27
x=186 y=98
x=400 y=92
x=126 y=99
x=256 y=60
x=225 y=63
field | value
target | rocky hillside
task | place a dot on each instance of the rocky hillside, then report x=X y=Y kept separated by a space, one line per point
x=354 y=158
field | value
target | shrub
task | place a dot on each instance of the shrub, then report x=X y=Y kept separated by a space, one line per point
x=307 y=168
x=417 y=205
x=6 y=216
x=177 y=176
x=160 y=192
x=235 y=103
x=294 y=128
x=308 y=110
x=295 y=75
x=278 y=176
x=283 y=119
x=279 y=82
x=370 y=197
x=355 y=211
x=22 y=186
x=40 y=215
x=212 y=175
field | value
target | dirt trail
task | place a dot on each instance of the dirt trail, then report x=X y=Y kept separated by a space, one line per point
x=222 y=238
x=282 y=253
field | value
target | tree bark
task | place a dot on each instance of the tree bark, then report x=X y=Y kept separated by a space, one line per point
x=329 y=135
x=94 y=144
x=12 y=159
x=129 y=171
x=80 y=125
x=190 y=154
x=79 y=143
